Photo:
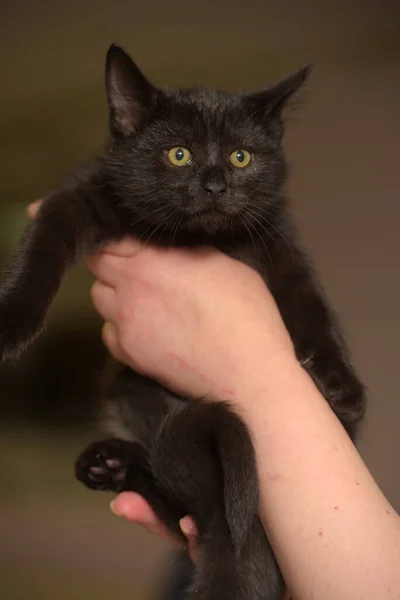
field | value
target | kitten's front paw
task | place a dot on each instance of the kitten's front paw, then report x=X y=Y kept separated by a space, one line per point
x=12 y=344
x=103 y=465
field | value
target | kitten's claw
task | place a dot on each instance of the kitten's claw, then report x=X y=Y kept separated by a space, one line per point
x=103 y=465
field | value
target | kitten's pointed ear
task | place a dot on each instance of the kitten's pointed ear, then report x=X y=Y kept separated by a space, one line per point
x=279 y=94
x=274 y=99
x=129 y=93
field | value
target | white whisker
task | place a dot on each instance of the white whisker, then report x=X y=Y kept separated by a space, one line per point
x=261 y=238
x=257 y=215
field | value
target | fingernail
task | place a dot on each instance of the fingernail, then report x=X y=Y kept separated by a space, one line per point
x=115 y=509
x=186 y=525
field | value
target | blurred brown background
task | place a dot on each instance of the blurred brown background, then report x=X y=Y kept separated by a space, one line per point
x=57 y=540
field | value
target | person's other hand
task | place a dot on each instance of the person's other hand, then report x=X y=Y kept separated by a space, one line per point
x=134 y=508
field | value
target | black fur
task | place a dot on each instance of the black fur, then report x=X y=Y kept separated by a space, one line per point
x=186 y=456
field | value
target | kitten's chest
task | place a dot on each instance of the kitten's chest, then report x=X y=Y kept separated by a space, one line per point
x=256 y=258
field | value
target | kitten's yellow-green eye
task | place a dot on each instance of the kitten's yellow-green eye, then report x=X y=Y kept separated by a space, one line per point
x=240 y=158
x=180 y=157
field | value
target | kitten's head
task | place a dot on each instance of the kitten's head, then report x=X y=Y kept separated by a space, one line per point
x=195 y=160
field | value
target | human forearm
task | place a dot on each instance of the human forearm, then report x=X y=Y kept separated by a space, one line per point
x=334 y=533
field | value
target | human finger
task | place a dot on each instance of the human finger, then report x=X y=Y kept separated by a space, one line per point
x=33 y=208
x=109 y=335
x=189 y=529
x=107 y=267
x=104 y=300
x=127 y=247
x=136 y=509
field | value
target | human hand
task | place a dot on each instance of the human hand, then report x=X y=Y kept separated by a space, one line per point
x=134 y=507
x=194 y=320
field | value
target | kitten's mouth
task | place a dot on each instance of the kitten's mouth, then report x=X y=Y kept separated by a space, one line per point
x=210 y=213
x=212 y=210
x=210 y=220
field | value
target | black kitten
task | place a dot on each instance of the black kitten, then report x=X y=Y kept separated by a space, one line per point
x=188 y=167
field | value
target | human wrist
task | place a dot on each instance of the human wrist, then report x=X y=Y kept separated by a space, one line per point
x=266 y=376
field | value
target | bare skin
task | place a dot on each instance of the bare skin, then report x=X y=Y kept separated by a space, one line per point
x=167 y=312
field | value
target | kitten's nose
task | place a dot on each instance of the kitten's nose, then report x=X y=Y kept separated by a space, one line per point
x=214 y=188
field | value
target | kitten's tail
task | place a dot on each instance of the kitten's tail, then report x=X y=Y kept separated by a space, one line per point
x=236 y=452
x=230 y=439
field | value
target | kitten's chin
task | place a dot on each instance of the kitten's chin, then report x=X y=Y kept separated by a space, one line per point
x=210 y=222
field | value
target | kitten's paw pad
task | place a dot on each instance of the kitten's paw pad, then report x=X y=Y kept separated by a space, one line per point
x=103 y=465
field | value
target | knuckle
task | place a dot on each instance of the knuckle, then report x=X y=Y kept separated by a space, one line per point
x=94 y=291
x=146 y=259
x=125 y=312
x=125 y=343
